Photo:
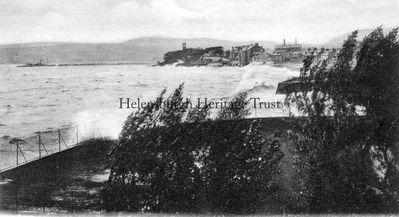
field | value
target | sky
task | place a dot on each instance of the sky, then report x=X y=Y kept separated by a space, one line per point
x=310 y=21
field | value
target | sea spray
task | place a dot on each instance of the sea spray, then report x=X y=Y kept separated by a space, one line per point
x=260 y=81
x=99 y=123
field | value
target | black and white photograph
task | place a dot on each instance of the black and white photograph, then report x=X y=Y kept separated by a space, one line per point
x=199 y=108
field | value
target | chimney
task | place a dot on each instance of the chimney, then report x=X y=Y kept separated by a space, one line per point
x=283 y=41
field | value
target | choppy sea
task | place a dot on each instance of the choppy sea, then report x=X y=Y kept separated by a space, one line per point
x=48 y=98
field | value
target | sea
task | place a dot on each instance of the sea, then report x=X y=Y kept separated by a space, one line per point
x=44 y=99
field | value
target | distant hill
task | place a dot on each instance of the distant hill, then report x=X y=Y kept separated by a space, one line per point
x=338 y=41
x=140 y=50
x=176 y=43
x=78 y=53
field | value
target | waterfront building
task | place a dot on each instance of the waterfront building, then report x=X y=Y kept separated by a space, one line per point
x=206 y=60
x=245 y=54
x=284 y=48
x=287 y=53
x=263 y=57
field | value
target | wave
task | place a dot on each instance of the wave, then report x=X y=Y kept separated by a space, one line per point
x=260 y=87
x=83 y=104
x=6 y=109
x=139 y=84
x=100 y=123
x=254 y=78
x=262 y=78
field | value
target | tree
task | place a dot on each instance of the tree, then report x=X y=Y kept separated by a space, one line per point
x=173 y=159
x=344 y=147
x=240 y=167
x=238 y=108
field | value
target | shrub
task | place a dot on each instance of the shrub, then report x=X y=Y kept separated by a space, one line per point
x=344 y=156
x=178 y=160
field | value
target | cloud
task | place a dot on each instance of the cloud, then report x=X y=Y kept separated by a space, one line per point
x=118 y=20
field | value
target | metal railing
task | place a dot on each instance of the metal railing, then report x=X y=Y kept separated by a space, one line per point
x=56 y=138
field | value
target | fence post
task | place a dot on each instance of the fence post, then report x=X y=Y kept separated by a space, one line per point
x=77 y=134
x=17 y=152
x=40 y=152
x=59 y=140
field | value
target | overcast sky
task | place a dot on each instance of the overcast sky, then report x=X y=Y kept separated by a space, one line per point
x=311 y=21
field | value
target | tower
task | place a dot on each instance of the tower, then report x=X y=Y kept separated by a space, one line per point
x=184 y=46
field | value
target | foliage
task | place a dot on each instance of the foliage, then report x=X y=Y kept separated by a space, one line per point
x=236 y=110
x=240 y=167
x=345 y=148
x=215 y=51
x=175 y=159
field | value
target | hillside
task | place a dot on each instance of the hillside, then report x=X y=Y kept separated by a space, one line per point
x=338 y=41
x=140 y=50
x=176 y=43
x=79 y=53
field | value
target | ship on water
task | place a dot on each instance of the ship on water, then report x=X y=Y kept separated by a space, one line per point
x=38 y=64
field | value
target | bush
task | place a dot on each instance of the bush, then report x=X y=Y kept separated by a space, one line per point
x=178 y=160
x=344 y=156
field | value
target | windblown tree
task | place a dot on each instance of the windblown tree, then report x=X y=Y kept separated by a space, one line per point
x=175 y=159
x=346 y=148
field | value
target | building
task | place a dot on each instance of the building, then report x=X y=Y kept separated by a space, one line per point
x=287 y=53
x=245 y=54
x=206 y=60
x=283 y=48
x=226 y=54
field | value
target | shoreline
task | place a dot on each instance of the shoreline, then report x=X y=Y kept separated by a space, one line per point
x=79 y=64
x=290 y=65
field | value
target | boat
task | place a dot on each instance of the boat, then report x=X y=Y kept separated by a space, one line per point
x=39 y=64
